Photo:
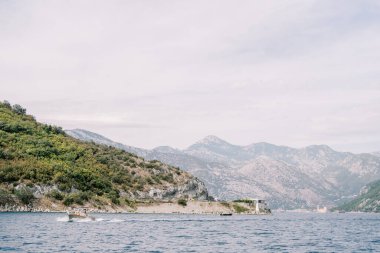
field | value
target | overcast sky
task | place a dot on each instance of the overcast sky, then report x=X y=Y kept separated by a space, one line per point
x=150 y=73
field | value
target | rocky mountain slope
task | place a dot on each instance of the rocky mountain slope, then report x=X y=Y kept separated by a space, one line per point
x=88 y=136
x=367 y=201
x=287 y=177
x=41 y=163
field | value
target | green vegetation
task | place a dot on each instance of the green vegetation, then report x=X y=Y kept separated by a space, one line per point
x=130 y=203
x=32 y=153
x=247 y=201
x=56 y=195
x=182 y=202
x=25 y=195
x=6 y=197
x=369 y=201
x=239 y=209
x=225 y=204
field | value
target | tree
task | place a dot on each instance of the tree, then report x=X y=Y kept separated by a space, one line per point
x=182 y=202
x=7 y=104
x=25 y=195
x=19 y=109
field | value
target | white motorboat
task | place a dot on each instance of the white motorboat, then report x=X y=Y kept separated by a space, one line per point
x=78 y=214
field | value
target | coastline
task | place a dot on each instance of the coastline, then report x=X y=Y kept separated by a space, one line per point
x=191 y=207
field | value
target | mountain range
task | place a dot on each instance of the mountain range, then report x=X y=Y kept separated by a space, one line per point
x=288 y=178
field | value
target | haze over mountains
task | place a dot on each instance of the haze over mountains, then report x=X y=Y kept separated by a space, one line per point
x=287 y=177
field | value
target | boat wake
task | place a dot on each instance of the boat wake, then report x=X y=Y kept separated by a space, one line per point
x=66 y=219
x=115 y=220
x=99 y=219
x=88 y=219
x=63 y=219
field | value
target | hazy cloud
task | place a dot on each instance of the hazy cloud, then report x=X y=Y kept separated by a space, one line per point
x=151 y=73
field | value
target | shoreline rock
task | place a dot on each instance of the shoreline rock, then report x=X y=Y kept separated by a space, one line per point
x=191 y=207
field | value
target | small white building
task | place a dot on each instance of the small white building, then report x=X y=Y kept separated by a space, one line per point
x=259 y=204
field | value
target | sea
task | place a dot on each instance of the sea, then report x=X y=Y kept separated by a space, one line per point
x=279 y=232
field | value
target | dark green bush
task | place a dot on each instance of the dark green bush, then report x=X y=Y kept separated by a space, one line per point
x=239 y=208
x=114 y=196
x=18 y=109
x=56 y=195
x=68 y=201
x=130 y=202
x=248 y=201
x=78 y=198
x=5 y=197
x=25 y=195
x=226 y=204
x=182 y=202
x=116 y=201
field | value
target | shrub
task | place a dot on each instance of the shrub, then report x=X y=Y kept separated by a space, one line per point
x=151 y=166
x=118 y=179
x=77 y=198
x=69 y=200
x=64 y=187
x=130 y=202
x=239 y=208
x=166 y=177
x=7 y=104
x=5 y=198
x=19 y=109
x=149 y=180
x=25 y=195
x=248 y=201
x=56 y=195
x=115 y=200
x=182 y=202
x=10 y=173
x=226 y=204
x=114 y=196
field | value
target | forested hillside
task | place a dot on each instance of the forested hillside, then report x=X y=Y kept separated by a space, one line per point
x=39 y=161
x=367 y=201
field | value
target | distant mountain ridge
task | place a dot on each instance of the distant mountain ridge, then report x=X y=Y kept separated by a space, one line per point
x=85 y=135
x=287 y=177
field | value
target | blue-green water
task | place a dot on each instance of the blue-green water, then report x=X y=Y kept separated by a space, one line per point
x=281 y=232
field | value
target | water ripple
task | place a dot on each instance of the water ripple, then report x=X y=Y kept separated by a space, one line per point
x=283 y=232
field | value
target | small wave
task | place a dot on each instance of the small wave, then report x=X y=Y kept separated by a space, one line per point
x=116 y=220
x=88 y=219
x=66 y=219
x=63 y=219
x=181 y=220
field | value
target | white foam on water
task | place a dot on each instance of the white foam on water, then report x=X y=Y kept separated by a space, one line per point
x=88 y=219
x=63 y=219
x=116 y=220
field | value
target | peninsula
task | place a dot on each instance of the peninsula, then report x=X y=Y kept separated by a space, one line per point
x=44 y=169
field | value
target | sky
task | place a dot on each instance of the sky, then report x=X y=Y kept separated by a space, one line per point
x=153 y=73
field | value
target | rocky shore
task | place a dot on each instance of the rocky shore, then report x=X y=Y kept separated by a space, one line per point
x=191 y=207
x=201 y=207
